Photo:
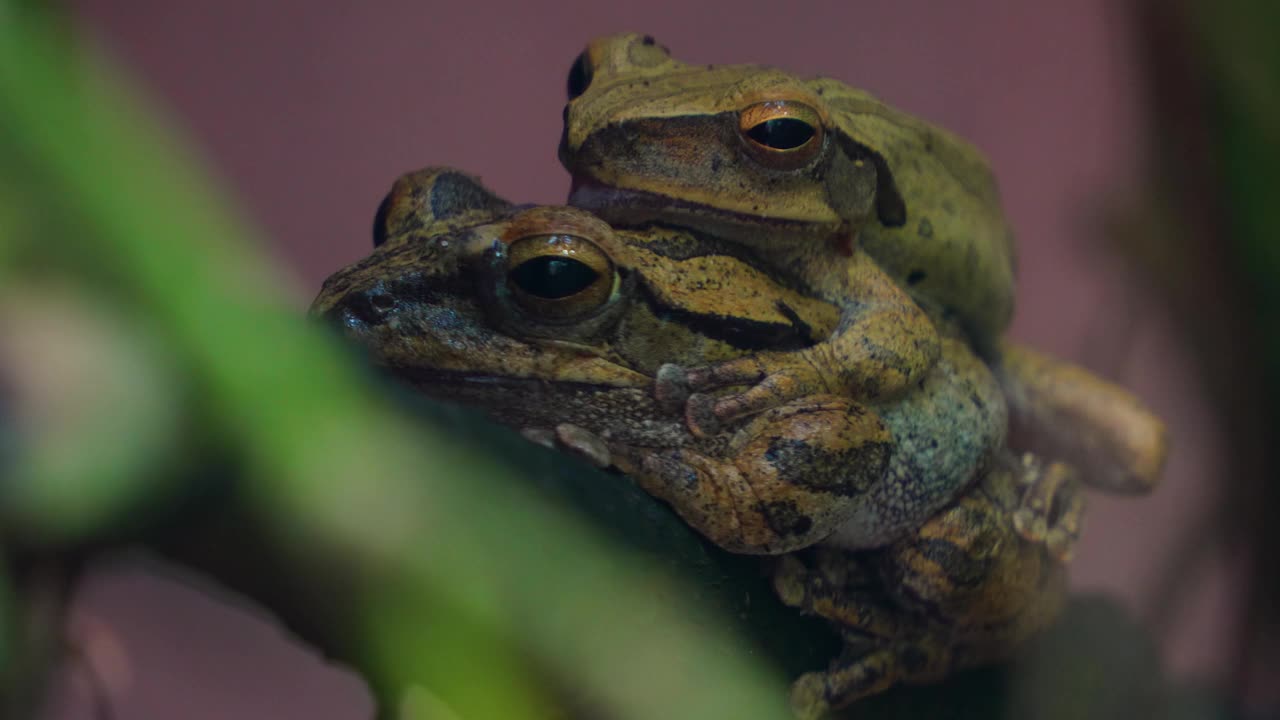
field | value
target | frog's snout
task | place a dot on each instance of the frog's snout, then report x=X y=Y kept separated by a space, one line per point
x=362 y=310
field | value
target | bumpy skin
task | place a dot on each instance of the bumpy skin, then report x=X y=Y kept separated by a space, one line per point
x=648 y=142
x=439 y=309
x=962 y=591
x=648 y=137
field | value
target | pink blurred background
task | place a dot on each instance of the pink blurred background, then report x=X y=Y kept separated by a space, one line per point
x=310 y=110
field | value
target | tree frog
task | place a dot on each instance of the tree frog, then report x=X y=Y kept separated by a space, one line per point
x=555 y=323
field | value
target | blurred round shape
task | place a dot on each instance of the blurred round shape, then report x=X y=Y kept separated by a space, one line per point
x=89 y=414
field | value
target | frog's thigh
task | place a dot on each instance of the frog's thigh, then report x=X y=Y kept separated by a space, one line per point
x=1064 y=412
x=784 y=481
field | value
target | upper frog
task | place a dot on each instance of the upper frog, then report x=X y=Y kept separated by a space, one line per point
x=559 y=325
x=763 y=157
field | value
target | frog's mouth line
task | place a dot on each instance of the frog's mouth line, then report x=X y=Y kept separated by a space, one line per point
x=478 y=382
x=627 y=206
x=529 y=402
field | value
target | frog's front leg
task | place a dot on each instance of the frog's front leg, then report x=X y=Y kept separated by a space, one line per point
x=785 y=480
x=883 y=343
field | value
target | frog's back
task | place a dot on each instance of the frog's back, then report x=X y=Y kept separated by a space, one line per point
x=952 y=246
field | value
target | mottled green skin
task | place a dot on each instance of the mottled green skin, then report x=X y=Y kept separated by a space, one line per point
x=947 y=429
x=651 y=137
x=823 y=468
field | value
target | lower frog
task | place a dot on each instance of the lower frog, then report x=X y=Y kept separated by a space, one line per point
x=547 y=316
x=556 y=325
x=962 y=591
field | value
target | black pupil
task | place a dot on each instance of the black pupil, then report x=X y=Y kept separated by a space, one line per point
x=553 y=277
x=782 y=133
x=579 y=76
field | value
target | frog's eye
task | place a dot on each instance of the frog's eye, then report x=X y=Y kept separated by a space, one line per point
x=559 y=277
x=781 y=134
x=579 y=75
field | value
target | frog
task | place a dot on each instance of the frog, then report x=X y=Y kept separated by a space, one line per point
x=963 y=591
x=460 y=310
x=822 y=177
x=439 y=310
x=761 y=156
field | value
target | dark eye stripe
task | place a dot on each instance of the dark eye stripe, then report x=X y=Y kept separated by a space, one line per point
x=740 y=333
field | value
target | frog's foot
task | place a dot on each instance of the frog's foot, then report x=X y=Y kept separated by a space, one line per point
x=836 y=587
x=707 y=415
x=1052 y=506
x=851 y=678
x=833 y=584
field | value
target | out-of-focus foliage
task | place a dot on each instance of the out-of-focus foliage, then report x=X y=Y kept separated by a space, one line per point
x=1242 y=64
x=164 y=340
x=1206 y=235
x=469 y=583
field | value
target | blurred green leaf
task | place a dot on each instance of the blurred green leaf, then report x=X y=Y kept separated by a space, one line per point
x=339 y=478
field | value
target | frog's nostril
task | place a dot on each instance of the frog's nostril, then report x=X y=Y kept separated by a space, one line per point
x=364 y=310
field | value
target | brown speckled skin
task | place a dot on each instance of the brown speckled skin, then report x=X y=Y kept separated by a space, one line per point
x=432 y=307
x=949 y=586
x=963 y=590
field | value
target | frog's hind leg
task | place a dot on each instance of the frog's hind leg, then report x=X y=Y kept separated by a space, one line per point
x=883 y=645
x=1052 y=505
x=1064 y=412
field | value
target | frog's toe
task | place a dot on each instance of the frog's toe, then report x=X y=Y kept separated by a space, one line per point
x=700 y=415
x=773 y=391
x=1030 y=524
x=540 y=436
x=1052 y=507
x=584 y=444
x=789 y=581
x=809 y=696
x=671 y=387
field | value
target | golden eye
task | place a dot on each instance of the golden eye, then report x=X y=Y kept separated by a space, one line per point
x=559 y=277
x=781 y=134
